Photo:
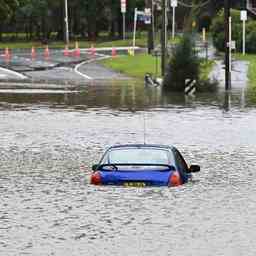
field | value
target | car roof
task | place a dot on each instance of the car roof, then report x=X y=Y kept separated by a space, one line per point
x=141 y=146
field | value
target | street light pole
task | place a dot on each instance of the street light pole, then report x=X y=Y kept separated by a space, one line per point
x=66 y=23
x=227 y=45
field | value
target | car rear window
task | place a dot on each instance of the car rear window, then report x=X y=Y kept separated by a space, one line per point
x=139 y=156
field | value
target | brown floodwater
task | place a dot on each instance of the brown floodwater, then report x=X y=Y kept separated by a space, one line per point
x=49 y=140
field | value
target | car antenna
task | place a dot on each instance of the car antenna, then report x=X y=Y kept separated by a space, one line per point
x=144 y=127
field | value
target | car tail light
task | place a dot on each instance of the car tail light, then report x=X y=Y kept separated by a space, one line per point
x=96 y=178
x=175 y=179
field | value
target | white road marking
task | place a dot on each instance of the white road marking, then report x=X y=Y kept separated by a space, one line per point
x=13 y=73
x=101 y=57
x=37 y=91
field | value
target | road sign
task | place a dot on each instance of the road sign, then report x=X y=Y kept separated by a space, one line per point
x=232 y=45
x=147 y=18
x=243 y=15
x=174 y=3
x=123 y=6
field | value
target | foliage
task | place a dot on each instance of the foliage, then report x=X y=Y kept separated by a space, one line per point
x=184 y=64
x=219 y=36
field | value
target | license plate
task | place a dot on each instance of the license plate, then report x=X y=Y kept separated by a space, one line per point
x=135 y=184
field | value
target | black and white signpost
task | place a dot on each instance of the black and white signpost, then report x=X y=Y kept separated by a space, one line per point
x=190 y=87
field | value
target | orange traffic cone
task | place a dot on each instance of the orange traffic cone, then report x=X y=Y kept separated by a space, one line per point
x=46 y=52
x=66 y=51
x=33 y=52
x=77 y=50
x=113 y=52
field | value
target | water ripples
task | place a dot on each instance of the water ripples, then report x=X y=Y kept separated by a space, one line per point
x=47 y=206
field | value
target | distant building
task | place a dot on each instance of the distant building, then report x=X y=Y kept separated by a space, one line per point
x=251 y=6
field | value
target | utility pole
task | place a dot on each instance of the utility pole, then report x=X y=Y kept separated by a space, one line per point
x=66 y=23
x=227 y=23
x=163 y=37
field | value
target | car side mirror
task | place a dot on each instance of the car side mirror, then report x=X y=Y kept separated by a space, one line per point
x=95 y=167
x=194 y=168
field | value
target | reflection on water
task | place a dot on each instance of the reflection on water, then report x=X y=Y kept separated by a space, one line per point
x=128 y=95
x=49 y=142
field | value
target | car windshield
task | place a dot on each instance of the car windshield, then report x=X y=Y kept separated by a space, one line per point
x=138 y=156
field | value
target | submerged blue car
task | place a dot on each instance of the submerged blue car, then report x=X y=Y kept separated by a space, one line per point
x=141 y=165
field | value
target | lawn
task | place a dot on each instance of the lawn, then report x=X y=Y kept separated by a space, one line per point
x=205 y=69
x=138 y=65
x=19 y=42
x=82 y=44
x=135 y=66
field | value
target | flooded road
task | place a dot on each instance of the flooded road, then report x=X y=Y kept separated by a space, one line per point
x=49 y=141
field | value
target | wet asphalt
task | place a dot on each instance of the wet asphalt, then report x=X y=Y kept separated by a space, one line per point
x=56 y=68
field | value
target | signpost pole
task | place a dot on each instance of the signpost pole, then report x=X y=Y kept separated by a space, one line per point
x=227 y=45
x=123 y=25
x=244 y=19
x=243 y=37
x=134 y=27
x=66 y=23
x=173 y=23
x=123 y=11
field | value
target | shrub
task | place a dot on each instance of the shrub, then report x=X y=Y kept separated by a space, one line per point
x=183 y=64
x=218 y=33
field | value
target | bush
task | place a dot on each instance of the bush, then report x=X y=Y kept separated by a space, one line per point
x=218 y=33
x=251 y=37
x=184 y=64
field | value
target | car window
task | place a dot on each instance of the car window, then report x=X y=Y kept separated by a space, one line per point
x=139 y=156
x=182 y=165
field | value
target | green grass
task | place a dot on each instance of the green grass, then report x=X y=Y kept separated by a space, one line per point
x=251 y=58
x=138 y=65
x=205 y=69
x=19 y=41
x=82 y=44
x=134 y=66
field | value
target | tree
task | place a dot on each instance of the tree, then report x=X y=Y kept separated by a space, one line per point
x=184 y=64
x=7 y=8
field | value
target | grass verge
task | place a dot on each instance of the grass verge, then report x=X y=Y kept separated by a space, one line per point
x=138 y=65
x=134 y=66
x=142 y=42
x=205 y=69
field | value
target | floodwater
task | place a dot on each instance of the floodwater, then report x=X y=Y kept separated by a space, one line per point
x=49 y=141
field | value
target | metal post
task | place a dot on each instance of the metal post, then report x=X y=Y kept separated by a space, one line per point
x=227 y=46
x=230 y=47
x=163 y=43
x=66 y=23
x=173 y=22
x=134 y=27
x=243 y=37
x=123 y=25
